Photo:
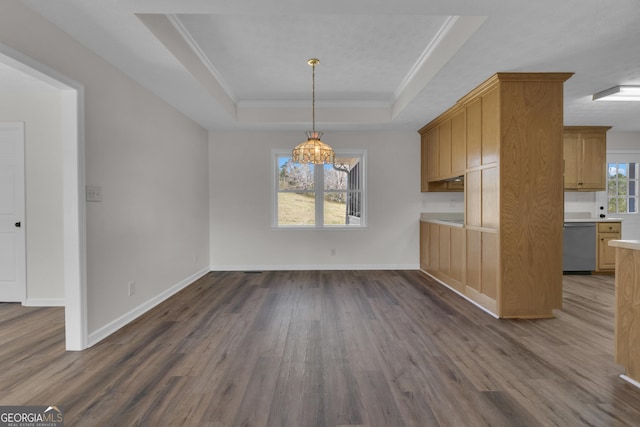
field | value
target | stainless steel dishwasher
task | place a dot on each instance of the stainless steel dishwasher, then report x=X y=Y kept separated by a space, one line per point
x=579 y=247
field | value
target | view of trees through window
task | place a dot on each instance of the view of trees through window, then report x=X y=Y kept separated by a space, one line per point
x=622 y=185
x=319 y=195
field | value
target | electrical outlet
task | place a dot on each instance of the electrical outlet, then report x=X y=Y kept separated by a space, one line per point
x=94 y=193
x=132 y=288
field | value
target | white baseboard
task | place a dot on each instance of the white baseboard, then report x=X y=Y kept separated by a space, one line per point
x=461 y=294
x=111 y=327
x=630 y=380
x=271 y=267
x=44 y=302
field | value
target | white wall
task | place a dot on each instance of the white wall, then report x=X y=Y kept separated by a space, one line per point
x=40 y=110
x=152 y=226
x=241 y=233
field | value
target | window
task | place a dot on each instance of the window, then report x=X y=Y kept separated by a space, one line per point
x=319 y=196
x=622 y=188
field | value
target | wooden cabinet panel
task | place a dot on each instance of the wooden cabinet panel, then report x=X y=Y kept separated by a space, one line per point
x=445 y=250
x=606 y=255
x=585 y=158
x=510 y=129
x=424 y=245
x=458 y=254
x=424 y=159
x=444 y=150
x=474 y=257
x=458 y=143
x=571 y=155
x=434 y=246
x=474 y=133
x=489 y=265
x=627 y=308
x=489 y=190
x=594 y=158
x=490 y=127
x=432 y=154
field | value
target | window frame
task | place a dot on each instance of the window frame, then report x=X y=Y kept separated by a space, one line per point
x=319 y=193
x=627 y=197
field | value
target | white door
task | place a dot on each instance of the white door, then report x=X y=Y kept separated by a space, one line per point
x=12 y=227
x=625 y=166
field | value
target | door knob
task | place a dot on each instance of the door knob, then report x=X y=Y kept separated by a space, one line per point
x=18 y=224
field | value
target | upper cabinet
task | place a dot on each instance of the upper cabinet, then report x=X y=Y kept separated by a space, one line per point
x=585 y=158
x=443 y=152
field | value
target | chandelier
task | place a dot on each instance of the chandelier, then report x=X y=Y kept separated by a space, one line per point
x=313 y=150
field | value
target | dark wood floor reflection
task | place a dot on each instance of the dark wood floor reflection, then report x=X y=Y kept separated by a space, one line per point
x=327 y=348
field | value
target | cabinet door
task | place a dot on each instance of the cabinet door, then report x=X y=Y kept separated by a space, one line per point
x=458 y=143
x=606 y=254
x=594 y=154
x=434 y=247
x=444 y=150
x=445 y=251
x=424 y=245
x=424 y=158
x=489 y=191
x=490 y=127
x=432 y=154
x=473 y=198
x=489 y=266
x=474 y=258
x=458 y=255
x=572 y=154
x=474 y=133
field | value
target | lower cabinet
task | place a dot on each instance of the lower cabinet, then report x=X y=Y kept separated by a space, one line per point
x=442 y=253
x=606 y=255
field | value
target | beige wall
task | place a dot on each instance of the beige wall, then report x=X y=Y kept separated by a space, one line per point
x=240 y=194
x=151 y=161
x=40 y=111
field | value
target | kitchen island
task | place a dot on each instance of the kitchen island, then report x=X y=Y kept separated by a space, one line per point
x=627 y=323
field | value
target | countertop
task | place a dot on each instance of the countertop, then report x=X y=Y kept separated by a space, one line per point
x=593 y=220
x=626 y=244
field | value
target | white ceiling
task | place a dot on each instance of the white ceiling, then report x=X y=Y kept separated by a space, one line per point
x=383 y=65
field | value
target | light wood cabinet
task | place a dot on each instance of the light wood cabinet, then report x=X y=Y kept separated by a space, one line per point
x=627 y=308
x=442 y=253
x=443 y=154
x=513 y=134
x=585 y=158
x=606 y=255
x=458 y=143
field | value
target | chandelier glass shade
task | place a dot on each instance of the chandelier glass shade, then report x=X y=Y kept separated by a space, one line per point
x=313 y=150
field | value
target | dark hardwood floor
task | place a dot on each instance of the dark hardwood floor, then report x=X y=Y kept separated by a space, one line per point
x=327 y=348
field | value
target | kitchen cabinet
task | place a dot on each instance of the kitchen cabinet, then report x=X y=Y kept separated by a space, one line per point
x=605 y=254
x=442 y=253
x=443 y=154
x=512 y=133
x=585 y=158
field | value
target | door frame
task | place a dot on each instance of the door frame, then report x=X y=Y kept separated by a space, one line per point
x=20 y=261
x=74 y=184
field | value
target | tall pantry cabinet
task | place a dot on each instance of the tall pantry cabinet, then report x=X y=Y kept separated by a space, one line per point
x=513 y=184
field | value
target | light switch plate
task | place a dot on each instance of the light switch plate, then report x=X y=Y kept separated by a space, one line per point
x=94 y=193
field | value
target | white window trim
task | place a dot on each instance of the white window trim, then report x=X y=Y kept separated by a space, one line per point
x=601 y=198
x=364 y=223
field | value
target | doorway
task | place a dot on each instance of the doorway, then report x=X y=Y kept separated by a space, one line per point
x=73 y=182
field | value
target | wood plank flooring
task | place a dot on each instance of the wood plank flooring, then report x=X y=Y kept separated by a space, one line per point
x=327 y=348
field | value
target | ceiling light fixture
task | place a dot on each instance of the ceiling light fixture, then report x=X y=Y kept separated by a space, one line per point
x=619 y=93
x=313 y=150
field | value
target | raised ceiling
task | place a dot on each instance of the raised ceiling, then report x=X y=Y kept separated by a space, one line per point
x=384 y=65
